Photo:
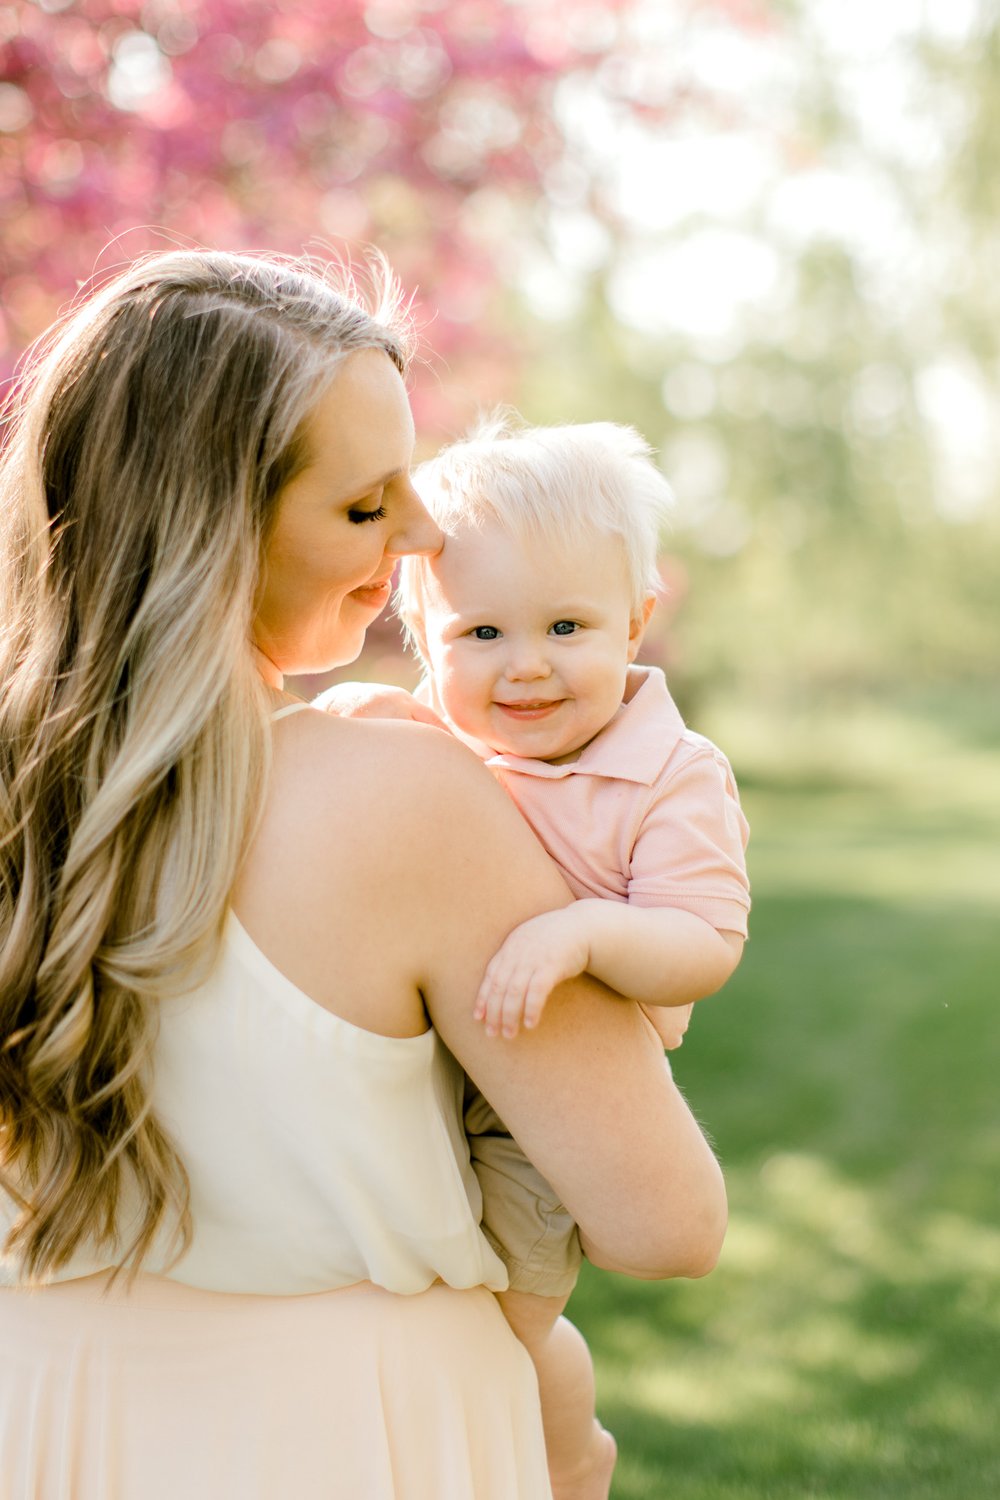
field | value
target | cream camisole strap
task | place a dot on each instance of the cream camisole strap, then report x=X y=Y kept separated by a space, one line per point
x=289 y=708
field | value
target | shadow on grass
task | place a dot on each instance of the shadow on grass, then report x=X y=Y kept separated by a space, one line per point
x=884 y=1391
x=863 y=1030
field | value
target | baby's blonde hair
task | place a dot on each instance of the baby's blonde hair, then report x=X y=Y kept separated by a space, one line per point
x=544 y=485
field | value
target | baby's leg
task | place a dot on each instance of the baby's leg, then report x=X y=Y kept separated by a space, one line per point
x=581 y=1454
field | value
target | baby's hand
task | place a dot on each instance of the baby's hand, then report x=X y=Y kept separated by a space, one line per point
x=374 y=700
x=524 y=971
x=669 y=1022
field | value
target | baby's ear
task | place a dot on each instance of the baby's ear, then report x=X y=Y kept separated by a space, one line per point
x=637 y=626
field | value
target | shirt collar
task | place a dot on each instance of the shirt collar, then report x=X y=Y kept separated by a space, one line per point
x=634 y=745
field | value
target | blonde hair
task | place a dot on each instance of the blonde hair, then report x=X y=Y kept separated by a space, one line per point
x=543 y=485
x=145 y=451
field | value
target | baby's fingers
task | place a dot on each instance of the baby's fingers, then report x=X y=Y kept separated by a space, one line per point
x=510 y=993
x=493 y=993
x=536 y=994
x=522 y=1000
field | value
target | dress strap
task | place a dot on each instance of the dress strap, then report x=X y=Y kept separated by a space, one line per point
x=289 y=708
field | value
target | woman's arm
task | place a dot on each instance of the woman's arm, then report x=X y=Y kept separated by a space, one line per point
x=587 y=1094
x=389 y=865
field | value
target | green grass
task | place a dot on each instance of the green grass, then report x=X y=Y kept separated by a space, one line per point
x=848 y=1345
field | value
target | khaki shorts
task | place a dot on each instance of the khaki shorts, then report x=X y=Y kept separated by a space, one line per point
x=523 y=1219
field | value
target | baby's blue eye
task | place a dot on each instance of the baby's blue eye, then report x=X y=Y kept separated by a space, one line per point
x=563 y=627
x=486 y=633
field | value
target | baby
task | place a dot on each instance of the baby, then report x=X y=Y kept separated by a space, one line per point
x=527 y=624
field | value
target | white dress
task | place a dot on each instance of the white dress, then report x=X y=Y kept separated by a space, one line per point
x=330 y=1334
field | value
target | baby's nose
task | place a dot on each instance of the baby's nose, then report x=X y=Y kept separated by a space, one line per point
x=524 y=663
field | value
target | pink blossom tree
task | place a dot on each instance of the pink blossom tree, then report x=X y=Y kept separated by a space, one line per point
x=426 y=128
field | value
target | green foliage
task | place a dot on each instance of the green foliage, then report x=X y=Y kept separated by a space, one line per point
x=846 y=1346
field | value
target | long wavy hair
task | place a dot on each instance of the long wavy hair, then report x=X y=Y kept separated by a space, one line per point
x=144 y=455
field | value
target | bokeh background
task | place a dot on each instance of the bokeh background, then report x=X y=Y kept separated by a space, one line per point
x=765 y=232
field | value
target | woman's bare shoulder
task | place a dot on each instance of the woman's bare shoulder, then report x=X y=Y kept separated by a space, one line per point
x=393 y=756
x=399 y=758
x=418 y=783
x=363 y=828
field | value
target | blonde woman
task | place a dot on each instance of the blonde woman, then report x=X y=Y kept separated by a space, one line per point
x=241 y=942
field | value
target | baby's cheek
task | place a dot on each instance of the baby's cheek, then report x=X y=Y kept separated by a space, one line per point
x=456 y=693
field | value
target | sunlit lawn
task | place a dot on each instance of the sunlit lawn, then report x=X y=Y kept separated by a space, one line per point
x=848 y=1346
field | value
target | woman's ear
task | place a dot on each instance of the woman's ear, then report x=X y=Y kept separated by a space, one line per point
x=637 y=626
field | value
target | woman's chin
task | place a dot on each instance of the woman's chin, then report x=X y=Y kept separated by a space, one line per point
x=317 y=657
x=340 y=655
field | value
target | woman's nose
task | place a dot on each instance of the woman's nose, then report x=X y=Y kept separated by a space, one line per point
x=418 y=534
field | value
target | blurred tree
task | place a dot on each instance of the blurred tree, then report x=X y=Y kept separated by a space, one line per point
x=424 y=127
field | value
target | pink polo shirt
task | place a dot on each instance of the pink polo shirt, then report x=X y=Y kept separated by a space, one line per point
x=648 y=813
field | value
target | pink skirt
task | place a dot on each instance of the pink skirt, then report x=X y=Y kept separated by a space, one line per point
x=167 y=1393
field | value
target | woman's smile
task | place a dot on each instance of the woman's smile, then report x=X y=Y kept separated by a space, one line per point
x=374 y=595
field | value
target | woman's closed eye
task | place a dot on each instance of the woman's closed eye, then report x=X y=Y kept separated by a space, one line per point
x=358 y=514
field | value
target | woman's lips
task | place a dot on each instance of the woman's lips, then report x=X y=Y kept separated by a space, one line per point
x=373 y=595
x=536 y=709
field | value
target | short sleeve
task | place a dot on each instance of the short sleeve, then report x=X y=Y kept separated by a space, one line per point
x=688 y=849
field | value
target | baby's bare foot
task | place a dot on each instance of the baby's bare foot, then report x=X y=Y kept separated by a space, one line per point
x=591 y=1480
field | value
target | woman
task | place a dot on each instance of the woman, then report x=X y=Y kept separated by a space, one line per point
x=240 y=944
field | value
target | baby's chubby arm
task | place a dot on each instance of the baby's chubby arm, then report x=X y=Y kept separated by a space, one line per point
x=658 y=955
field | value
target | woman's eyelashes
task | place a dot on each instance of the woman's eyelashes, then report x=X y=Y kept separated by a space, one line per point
x=358 y=514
